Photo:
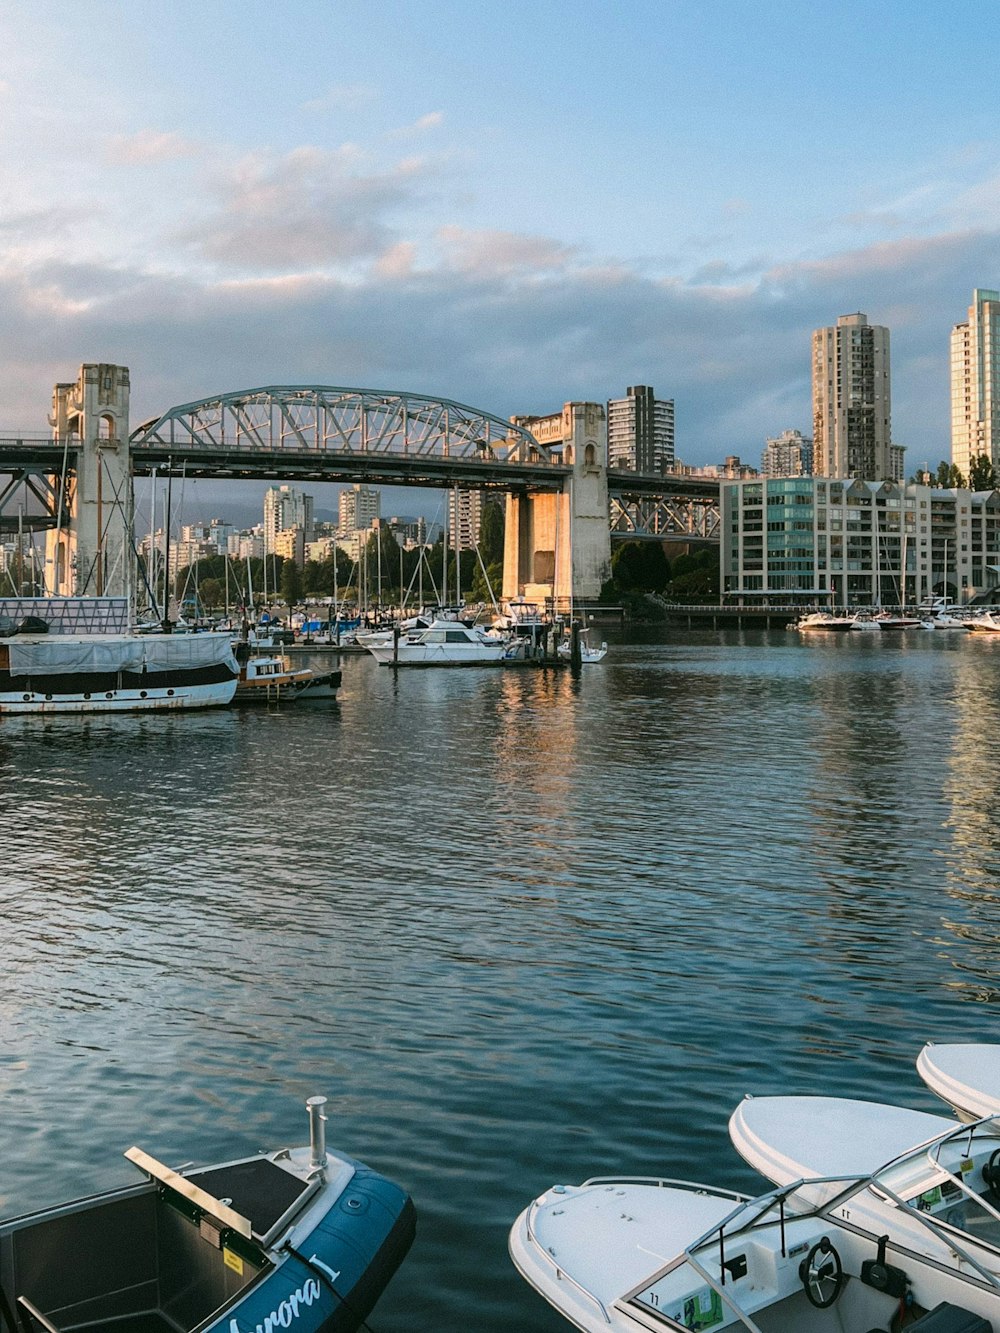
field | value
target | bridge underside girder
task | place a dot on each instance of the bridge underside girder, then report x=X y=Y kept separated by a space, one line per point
x=29 y=498
x=327 y=465
x=658 y=517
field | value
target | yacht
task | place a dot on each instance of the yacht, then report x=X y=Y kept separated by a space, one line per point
x=988 y=622
x=446 y=643
x=934 y=1185
x=628 y=1255
x=966 y=1075
x=299 y=1239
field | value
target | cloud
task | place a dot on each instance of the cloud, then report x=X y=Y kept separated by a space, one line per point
x=523 y=326
x=343 y=97
x=501 y=251
x=150 y=146
x=432 y=121
x=311 y=207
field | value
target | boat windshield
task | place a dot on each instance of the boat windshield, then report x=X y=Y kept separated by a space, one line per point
x=954 y=1181
x=692 y=1290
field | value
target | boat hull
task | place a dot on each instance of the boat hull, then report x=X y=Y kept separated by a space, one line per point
x=152 y=700
x=253 y=1246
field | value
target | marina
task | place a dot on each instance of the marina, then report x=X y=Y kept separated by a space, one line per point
x=504 y=964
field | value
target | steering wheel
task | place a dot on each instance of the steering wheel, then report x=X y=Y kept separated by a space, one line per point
x=822 y=1274
x=991 y=1174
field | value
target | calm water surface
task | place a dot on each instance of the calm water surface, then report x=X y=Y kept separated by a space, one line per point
x=519 y=928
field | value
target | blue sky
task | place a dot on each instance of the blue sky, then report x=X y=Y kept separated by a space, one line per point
x=512 y=204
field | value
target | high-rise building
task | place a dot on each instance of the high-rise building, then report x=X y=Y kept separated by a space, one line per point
x=975 y=382
x=789 y=454
x=641 y=431
x=284 y=508
x=852 y=433
x=465 y=511
x=359 y=507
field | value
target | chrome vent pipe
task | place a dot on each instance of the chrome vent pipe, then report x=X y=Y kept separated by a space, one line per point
x=317 y=1131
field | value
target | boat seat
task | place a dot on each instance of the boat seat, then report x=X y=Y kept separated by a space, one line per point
x=945 y=1318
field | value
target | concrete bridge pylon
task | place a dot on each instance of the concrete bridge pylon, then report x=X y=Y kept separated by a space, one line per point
x=90 y=550
x=557 y=544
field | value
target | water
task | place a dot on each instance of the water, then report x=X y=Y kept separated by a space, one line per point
x=519 y=928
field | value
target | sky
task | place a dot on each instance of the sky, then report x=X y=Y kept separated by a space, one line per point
x=510 y=204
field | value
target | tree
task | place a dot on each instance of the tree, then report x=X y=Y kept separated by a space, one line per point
x=982 y=473
x=949 y=474
x=491 y=533
x=291 y=584
x=210 y=593
x=640 y=566
x=695 y=577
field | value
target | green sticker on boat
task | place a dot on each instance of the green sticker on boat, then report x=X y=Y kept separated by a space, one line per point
x=703 y=1310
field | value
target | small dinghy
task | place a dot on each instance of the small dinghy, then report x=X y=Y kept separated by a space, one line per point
x=642 y=1256
x=937 y=1189
x=299 y=1239
x=589 y=653
x=966 y=1076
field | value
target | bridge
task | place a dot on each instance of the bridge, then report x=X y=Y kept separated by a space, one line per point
x=77 y=481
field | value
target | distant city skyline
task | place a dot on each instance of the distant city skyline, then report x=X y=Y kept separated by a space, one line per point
x=455 y=218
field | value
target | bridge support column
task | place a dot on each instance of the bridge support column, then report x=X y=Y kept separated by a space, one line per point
x=91 y=551
x=557 y=545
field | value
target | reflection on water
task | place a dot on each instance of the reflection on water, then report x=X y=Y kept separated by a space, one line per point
x=520 y=927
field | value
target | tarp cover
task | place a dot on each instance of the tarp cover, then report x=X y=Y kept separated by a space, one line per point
x=66 y=654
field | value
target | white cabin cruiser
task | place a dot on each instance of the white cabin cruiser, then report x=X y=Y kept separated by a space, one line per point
x=935 y=1185
x=641 y=1256
x=966 y=1075
x=445 y=643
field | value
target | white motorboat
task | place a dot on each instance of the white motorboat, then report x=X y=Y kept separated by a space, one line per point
x=588 y=653
x=864 y=621
x=446 y=643
x=889 y=620
x=939 y=613
x=299 y=1239
x=934 y=1185
x=115 y=673
x=986 y=623
x=965 y=1075
x=640 y=1256
x=821 y=620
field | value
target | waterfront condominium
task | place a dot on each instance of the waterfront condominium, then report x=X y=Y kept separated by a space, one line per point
x=975 y=382
x=852 y=542
x=851 y=402
x=641 y=431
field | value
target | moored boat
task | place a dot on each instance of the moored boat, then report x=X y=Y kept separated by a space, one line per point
x=268 y=679
x=114 y=673
x=301 y=1239
x=966 y=1075
x=446 y=643
x=821 y=620
x=988 y=622
x=923 y=1168
x=589 y=653
x=639 y=1255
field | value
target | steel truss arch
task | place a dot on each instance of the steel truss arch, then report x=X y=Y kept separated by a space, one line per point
x=329 y=419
